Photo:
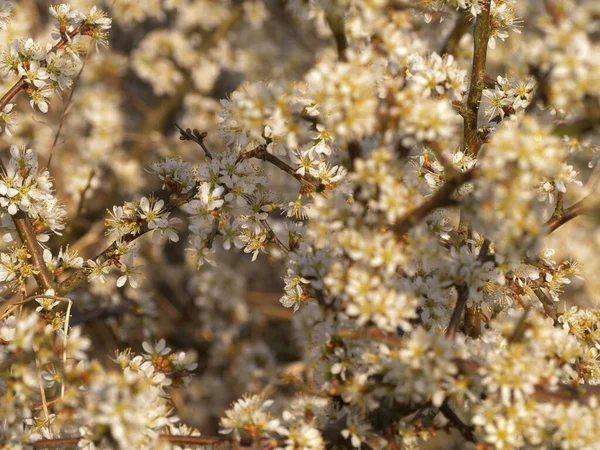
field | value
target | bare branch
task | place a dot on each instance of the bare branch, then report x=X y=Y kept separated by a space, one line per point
x=481 y=37
x=440 y=199
x=67 y=106
x=194 y=135
x=459 y=309
x=337 y=25
x=584 y=206
x=260 y=152
x=467 y=431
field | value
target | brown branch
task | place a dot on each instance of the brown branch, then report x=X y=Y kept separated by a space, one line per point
x=185 y=440
x=337 y=25
x=194 y=135
x=66 y=108
x=372 y=333
x=17 y=87
x=441 y=198
x=481 y=36
x=459 y=309
x=192 y=440
x=273 y=237
x=584 y=206
x=260 y=152
x=467 y=431
x=390 y=436
x=28 y=237
x=547 y=303
x=49 y=443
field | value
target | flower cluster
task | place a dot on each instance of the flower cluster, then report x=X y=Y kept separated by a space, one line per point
x=508 y=98
x=520 y=154
x=436 y=75
x=47 y=70
x=24 y=187
x=502 y=15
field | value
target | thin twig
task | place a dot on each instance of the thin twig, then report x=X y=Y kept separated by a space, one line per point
x=9 y=306
x=67 y=105
x=66 y=332
x=43 y=395
x=441 y=198
x=548 y=304
x=273 y=237
x=197 y=137
x=261 y=152
x=84 y=192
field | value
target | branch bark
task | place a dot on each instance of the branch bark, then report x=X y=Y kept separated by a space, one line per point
x=441 y=198
x=185 y=440
x=459 y=309
x=481 y=36
x=42 y=277
x=584 y=206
